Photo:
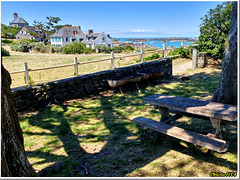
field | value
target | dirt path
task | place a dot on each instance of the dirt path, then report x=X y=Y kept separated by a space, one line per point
x=181 y=67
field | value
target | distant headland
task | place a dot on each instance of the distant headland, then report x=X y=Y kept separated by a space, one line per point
x=185 y=39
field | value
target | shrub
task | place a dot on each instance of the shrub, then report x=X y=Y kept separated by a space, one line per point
x=75 y=48
x=103 y=48
x=4 y=52
x=118 y=49
x=45 y=49
x=153 y=56
x=88 y=50
x=37 y=46
x=6 y=41
x=25 y=40
x=183 y=52
x=22 y=45
x=129 y=48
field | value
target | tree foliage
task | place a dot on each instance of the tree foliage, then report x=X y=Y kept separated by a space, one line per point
x=214 y=29
x=9 y=32
x=47 y=28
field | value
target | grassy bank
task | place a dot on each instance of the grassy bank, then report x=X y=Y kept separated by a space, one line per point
x=95 y=137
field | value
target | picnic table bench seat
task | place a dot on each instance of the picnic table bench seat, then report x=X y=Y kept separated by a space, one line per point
x=217 y=112
x=185 y=135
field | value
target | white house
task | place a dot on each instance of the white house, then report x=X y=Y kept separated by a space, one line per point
x=92 y=39
x=65 y=35
x=71 y=34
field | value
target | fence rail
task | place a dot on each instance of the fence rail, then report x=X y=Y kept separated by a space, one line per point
x=76 y=64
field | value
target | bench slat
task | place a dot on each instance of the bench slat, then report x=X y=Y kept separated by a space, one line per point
x=194 y=106
x=185 y=135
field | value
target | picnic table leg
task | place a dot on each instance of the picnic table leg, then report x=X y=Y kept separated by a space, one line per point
x=164 y=113
x=216 y=123
x=164 y=116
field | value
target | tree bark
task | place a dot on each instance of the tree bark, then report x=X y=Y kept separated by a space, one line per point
x=227 y=90
x=14 y=162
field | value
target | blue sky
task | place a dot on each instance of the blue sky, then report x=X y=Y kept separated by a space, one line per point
x=117 y=18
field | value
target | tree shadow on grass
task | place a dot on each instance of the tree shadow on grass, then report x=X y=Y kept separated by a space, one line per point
x=127 y=147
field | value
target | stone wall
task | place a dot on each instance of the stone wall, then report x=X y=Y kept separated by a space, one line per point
x=81 y=86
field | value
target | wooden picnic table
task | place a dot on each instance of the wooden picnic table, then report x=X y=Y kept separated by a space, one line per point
x=217 y=112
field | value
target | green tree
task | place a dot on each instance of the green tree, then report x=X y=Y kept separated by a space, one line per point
x=214 y=30
x=9 y=32
x=47 y=28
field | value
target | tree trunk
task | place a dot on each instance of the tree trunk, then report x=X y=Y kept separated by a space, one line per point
x=14 y=162
x=227 y=90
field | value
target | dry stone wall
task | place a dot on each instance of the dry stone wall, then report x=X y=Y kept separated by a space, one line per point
x=81 y=86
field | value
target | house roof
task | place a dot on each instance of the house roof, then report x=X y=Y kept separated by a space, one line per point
x=18 y=20
x=67 y=32
x=30 y=28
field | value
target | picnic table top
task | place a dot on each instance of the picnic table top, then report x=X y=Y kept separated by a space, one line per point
x=204 y=108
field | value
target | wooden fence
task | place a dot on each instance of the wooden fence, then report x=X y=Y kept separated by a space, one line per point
x=76 y=64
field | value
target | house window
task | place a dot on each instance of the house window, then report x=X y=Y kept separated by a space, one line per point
x=66 y=39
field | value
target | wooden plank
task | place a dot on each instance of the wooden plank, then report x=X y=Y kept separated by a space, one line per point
x=185 y=135
x=223 y=122
x=194 y=106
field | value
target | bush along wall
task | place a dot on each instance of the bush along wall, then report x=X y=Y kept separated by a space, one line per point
x=81 y=86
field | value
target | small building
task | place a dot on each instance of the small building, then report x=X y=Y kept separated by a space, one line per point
x=18 y=21
x=65 y=35
x=24 y=33
x=93 y=39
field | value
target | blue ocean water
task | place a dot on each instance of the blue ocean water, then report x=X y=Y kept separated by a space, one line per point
x=158 y=43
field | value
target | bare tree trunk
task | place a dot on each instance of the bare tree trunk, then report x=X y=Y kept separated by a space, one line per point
x=227 y=90
x=14 y=162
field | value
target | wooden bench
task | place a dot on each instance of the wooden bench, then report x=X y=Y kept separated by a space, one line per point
x=217 y=112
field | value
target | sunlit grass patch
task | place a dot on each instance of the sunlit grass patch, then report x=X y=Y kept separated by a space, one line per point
x=97 y=133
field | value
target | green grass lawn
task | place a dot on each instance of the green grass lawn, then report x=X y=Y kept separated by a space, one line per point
x=94 y=137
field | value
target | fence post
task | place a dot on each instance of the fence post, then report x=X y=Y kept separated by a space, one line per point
x=76 y=66
x=141 y=52
x=112 y=60
x=181 y=43
x=194 y=56
x=164 y=50
x=26 y=73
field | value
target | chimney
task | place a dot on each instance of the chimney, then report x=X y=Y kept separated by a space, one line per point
x=90 y=31
x=79 y=27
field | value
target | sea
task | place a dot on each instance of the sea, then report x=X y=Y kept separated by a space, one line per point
x=156 y=43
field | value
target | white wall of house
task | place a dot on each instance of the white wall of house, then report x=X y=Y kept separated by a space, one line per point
x=57 y=41
x=103 y=39
x=60 y=41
